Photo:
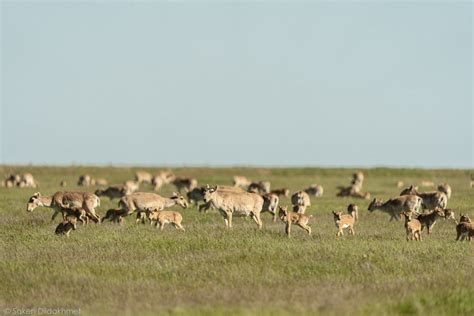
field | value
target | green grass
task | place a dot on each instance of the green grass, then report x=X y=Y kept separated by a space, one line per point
x=135 y=269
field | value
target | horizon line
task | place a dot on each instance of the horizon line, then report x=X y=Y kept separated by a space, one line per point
x=230 y=166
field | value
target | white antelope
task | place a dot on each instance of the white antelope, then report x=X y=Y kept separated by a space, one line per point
x=84 y=180
x=431 y=200
x=162 y=178
x=427 y=183
x=242 y=182
x=197 y=195
x=27 y=181
x=262 y=187
x=62 y=200
x=270 y=204
x=143 y=177
x=446 y=188
x=300 y=201
x=358 y=178
x=143 y=201
x=131 y=186
x=232 y=204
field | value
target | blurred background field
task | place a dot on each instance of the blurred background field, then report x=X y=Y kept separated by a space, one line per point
x=135 y=269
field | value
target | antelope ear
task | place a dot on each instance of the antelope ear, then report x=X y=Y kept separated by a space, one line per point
x=37 y=194
x=215 y=188
x=207 y=186
x=175 y=194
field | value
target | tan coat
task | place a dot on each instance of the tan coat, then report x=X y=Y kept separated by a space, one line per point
x=62 y=200
x=290 y=218
x=394 y=207
x=300 y=201
x=235 y=204
x=344 y=221
x=164 y=217
x=145 y=201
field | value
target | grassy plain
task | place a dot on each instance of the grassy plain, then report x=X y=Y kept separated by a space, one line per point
x=135 y=269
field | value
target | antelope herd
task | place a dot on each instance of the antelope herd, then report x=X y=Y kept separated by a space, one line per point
x=355 y=187
x=25 y=180
x=245 y=198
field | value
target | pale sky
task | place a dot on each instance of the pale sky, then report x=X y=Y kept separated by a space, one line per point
x=267 y=84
